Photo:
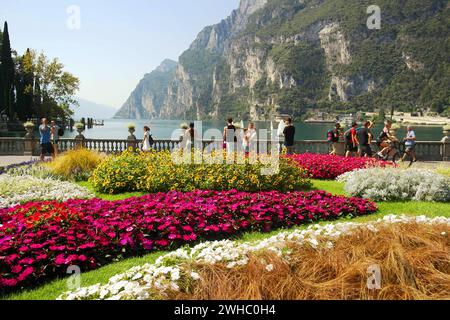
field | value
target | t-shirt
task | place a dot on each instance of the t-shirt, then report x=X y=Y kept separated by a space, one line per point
x=289 y=134
x=352 y=134
x=363 y=136
x=55 y=135
x=411 y=134
x=45 y=134
x=231 y=133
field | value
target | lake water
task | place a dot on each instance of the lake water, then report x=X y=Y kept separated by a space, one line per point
x=163 y=129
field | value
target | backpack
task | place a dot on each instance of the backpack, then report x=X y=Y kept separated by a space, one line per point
x=151 y=140
x=330 y=136
x=60 y=132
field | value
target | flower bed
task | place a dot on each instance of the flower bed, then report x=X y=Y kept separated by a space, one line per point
x=157 y=172
x=40 y=240
x=8 y=168
x=21 y=189
x=392 y=184
x=329 y=167
x=273 y=263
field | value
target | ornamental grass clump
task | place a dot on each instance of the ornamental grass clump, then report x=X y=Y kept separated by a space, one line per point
x=393 y=184
x=76 y=165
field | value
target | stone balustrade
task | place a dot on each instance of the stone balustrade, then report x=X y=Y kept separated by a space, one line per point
x=426 y=150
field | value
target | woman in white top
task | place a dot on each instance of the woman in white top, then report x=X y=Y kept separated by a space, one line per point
x=250 y=138
x=54 y=129
x=146 y=142
x=191 y=137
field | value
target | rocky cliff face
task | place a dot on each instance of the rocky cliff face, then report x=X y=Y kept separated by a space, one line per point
x=284 y=56
x=146 y=101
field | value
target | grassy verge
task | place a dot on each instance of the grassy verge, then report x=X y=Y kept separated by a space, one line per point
x=53 y=289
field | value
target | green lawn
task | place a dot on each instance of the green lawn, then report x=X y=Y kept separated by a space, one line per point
x=53 y=289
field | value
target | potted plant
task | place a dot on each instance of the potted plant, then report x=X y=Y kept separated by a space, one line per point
x=29 y=127
x=131 y=128
x=447 y=132
x=80 y=128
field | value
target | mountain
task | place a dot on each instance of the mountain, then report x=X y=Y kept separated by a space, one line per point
x=288 y=56
x=89 y=109
x=147 y=99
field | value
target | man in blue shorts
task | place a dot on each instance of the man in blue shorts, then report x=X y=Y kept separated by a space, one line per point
x=45 y=141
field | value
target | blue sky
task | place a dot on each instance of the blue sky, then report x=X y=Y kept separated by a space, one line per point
x=118 y=41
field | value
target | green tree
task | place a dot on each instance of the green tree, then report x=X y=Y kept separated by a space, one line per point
x=7 y=73
x=57 y=87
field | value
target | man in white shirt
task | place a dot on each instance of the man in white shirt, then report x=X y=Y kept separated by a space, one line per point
x=410 y=144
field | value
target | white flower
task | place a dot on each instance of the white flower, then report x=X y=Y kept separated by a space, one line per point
x=269 y=267
x=195 y=276
x=21 y=189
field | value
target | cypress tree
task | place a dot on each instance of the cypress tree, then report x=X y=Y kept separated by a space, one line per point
x=24 y=86
x=1 y=82
x=7 y=74
x=37 y=98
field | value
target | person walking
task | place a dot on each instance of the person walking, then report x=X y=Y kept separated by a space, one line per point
x=351 y=141
x=289 y=136
x=229 y=136
x=54 y=137
x=45 y=140
x=250 y=138
x=191 y=137
x=146 y=146
x=364 y=140
x=333 y=138
x=410 y=144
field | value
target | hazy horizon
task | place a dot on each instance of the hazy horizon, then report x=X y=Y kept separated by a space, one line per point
x=117 y=42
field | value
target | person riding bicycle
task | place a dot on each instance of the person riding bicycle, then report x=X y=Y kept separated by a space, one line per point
x=386 y=141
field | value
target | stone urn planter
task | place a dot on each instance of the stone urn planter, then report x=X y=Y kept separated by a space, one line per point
x=80 y=128
x=132 y=141
x=29 y=127
x=131 y=130
x=446 y=134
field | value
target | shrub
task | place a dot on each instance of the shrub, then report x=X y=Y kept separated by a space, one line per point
x=392 y=184
x=76 y=165
x=324 y=166
x=157 y=172
x=22 y=189
x=40 y=240
x=121 y=173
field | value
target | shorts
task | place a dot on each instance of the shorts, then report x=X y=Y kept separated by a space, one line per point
x=351 y=148
x=410 y=148
x=47 y=148
x=365 y=150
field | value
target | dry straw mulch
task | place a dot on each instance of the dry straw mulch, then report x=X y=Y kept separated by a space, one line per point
x=414 y=260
